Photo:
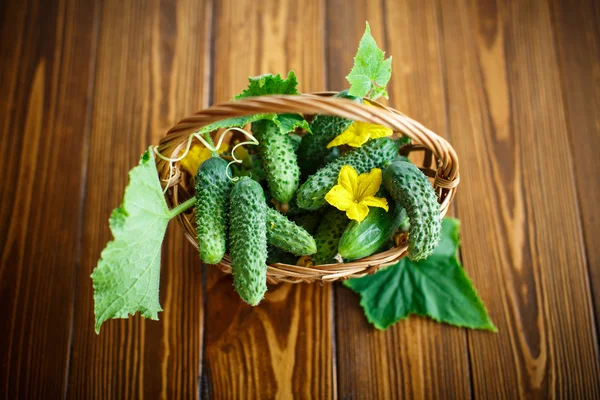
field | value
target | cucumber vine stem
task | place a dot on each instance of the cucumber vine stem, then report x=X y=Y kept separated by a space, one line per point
x=175 y=211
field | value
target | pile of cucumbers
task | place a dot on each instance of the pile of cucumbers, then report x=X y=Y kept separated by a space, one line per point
x=275 y=212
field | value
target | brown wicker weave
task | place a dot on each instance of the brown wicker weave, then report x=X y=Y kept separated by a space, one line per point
x=445 y=175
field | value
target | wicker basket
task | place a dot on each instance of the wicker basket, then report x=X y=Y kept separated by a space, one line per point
x=444 y=174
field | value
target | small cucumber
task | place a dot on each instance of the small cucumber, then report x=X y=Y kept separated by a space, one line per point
x=248 y=239
x=278 y=159
x=307 y=221
x=212 y=192
x=361 y=239
x=410 y=188
x=285 y=234
x=313 y=151
x=376 y=153
x=328 y=236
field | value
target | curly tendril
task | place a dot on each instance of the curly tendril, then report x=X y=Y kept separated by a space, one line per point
x=211 y=147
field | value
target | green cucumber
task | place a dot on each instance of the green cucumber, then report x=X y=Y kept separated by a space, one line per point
x=361 y=239
x=212 y=192
x=307 y=221
x=248 y=240
x=285 y=234
x=328 y=236
x=376 y=153
x=278 y=159
x=313 y=151
x=410 y=188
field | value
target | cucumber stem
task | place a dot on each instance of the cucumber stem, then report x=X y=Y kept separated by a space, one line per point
x=182 y=207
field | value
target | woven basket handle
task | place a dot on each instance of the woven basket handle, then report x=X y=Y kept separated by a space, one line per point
x=446 y=178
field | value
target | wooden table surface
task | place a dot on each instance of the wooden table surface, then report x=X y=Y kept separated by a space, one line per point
x=85 y=87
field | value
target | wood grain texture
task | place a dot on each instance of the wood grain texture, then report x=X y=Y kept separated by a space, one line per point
x=577 y=34
x=282 y=347
x=87 y=86
x=521 y=235
x=42 y=141
x=152 y=63
x=415 y=358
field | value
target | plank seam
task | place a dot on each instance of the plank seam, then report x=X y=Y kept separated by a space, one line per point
x=334 y=287
x=576 y=189
x=446 y=99
x=326 y=57
x=84 y=175
x=60 y=44
x=208 y=100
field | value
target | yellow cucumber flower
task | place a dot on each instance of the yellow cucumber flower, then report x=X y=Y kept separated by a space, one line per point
x=358 y=133
x=197 y=154
x=355 y=194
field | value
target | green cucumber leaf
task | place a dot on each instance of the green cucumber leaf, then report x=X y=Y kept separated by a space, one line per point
x=436 y=287
x=238 y=122
x=371 y=71
x=265 y=85
x=127 y=276
x=286 y=122
x=269 y=84
x=289 y=122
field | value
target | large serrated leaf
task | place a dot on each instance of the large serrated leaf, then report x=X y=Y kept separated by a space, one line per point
x=127 y=276
x=371 y=70
x=436 y=287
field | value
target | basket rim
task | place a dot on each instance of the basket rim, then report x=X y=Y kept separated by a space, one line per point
x=445 y=174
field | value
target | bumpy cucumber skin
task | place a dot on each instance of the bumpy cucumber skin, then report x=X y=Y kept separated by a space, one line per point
x=313 y=152
x=278 y=159
x=285 y=234
x=248 y=240
x=376 y=153
x=328 y=236
x=307 y=221
x=212 y=206
x=361 y=239
x=411 y=189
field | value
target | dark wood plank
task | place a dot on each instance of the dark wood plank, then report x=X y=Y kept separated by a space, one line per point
x=46 y=48
x=416 y=357
x=577 y=30
x=152 y=63
x=522 y=243
x=282 y=347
